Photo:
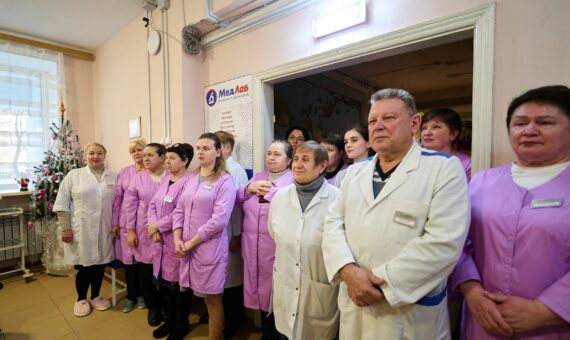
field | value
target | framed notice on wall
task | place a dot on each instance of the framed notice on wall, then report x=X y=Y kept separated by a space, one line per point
x=135 y=127
x=228 y=107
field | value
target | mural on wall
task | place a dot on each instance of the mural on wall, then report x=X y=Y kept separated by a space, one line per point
x=301 y=103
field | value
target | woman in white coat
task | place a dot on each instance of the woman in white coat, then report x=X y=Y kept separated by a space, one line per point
x=303 y=301
x=84 y=207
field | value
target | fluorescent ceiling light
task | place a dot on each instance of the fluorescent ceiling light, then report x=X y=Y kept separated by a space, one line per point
x=339 y=15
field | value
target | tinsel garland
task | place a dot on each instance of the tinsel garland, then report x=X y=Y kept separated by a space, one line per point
x=52 y=257
x=63 y=155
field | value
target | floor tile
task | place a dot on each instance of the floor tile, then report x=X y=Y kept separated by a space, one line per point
x=143 y=334
x=69 y=336
x=43 y=309
x=82 y=322
x=57 y=289
x=19 y=296
x=65 y=302
x=20 y=319
x=48 y=328
x=109 y=329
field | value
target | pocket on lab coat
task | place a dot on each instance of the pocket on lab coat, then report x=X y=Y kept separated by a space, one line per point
x=208 y=252
x=321 y=300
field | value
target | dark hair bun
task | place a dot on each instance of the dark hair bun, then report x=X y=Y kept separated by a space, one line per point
x=184 y=150
x=188 y=149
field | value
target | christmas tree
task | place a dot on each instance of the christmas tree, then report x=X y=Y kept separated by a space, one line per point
x=63 y=155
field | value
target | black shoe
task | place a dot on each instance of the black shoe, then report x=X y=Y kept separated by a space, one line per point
x=154 y=317
x=204 y=319
x=162 y=331
x=179 y=332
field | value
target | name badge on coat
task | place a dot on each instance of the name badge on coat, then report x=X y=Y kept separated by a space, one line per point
x=546 y=203
x=168 y=199
x=207 y=186
x=405 y=219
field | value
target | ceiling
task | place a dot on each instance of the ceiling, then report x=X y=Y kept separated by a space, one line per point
x=436 y=76
x=81 y=24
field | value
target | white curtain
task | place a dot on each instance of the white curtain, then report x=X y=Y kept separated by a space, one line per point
x=31 y=87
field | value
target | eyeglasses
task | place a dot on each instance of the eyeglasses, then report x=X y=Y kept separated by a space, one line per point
x=297 y=139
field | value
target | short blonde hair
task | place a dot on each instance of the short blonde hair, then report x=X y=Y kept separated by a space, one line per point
x=139 y=141
x=94 y=144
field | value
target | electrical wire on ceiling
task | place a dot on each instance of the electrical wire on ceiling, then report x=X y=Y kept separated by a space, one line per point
x=166 y=76
x=149 y=14
x=164 y=32
x=184 y=13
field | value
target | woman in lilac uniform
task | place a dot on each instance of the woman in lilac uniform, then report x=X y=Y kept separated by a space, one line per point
x=123 y=252
x=440 y=130
x=515 y=269
x=200 y=237
x=257 y=246
x=135 y=206
x=166 y=265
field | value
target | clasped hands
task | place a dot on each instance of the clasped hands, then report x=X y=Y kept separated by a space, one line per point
x=363 y=286
x=182 y=248
x=153 y=233
x=259 y=188
x=506 y=315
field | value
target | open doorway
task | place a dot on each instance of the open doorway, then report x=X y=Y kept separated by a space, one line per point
x=475 y=25
x=440 y=76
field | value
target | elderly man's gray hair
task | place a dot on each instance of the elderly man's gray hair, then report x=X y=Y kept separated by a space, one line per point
x=403 y=95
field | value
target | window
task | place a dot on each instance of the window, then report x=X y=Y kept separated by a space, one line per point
x=29 y=97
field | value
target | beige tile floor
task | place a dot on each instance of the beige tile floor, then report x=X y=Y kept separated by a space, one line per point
x=43 y=309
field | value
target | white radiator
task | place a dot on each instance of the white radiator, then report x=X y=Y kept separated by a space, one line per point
x=10 y=238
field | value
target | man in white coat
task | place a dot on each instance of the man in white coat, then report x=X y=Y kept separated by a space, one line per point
x=395 y=231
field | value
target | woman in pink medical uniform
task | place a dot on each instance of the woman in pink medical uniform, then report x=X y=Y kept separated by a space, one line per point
x=200 y=238
x=515 y=269
x=135 y=206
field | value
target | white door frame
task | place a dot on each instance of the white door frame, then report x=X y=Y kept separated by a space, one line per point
x=480 y=20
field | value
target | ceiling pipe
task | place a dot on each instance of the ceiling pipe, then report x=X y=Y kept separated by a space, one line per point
x=212 y=17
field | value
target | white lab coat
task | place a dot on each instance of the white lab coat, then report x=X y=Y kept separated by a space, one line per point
x=235 y=261
x=348 y=172
x=410 y=235
x=303 y=300
x=91 y=206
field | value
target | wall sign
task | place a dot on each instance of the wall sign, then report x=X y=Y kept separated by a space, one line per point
x=135 y=127
x=228 y=107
